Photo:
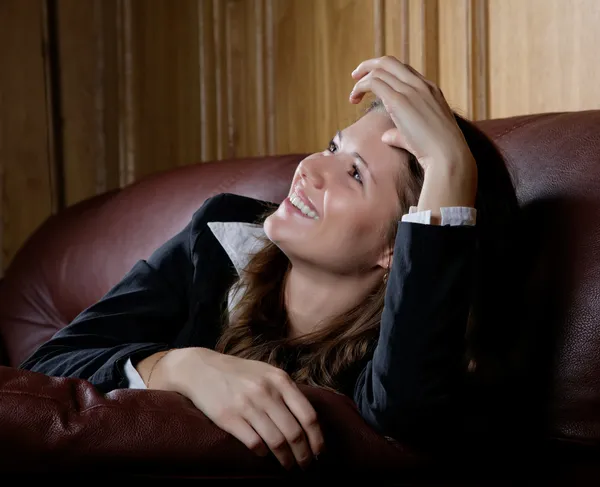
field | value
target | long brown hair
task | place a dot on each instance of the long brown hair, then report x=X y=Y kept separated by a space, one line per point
x=256 y=327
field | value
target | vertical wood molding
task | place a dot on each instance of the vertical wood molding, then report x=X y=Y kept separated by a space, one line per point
x=404 y=32
x=2 y=183
x=379 y=28
x=52 y=99
x=127 y=142
x=209 y=88
x=477 y=56
x=219 y=77
x=270 y=81
x=27 y=143
x=100 y=155
x=260 y=77
x=430 y=39
x=202 y=65
x=396 y=35
x=231 y=145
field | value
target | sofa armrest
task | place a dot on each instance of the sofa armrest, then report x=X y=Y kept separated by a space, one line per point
x=55 y=424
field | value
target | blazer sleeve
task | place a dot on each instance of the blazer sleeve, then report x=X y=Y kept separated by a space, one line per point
x=140 y=315
x=410 y=389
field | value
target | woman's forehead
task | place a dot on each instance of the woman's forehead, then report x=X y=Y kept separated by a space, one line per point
x=370 y=127
x=364 y=137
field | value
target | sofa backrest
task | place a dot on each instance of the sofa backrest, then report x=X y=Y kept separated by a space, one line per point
x=76 y=256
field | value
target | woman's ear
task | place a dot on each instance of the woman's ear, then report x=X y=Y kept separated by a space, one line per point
x=385 y=260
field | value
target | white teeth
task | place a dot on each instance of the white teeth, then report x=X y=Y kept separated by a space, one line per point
x=297 y=202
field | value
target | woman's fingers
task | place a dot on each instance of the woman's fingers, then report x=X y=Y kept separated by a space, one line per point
x=404 y=73
x=393 y=66
x=271 y=434
x=240 y=428
x=304 y=413
x=392 y=81
x=390 y=98
x=291 y=429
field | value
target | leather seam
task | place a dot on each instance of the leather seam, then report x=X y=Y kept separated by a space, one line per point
x=511 y=129
x=177 y=413
x=96 y=406
x=524 y=123
x=29 y=394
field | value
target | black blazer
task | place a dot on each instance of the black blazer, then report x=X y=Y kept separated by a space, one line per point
x=412 y=383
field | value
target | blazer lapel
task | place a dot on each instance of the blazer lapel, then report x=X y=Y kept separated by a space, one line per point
x=215 y=272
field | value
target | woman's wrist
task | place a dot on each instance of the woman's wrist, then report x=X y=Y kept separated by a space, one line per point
x=176 y=369
x=447 y=185
x=156 y=370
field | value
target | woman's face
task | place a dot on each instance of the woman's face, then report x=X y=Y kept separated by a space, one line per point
x=348 y=196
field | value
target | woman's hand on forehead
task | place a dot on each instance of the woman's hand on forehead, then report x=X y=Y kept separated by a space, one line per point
x=424 y=122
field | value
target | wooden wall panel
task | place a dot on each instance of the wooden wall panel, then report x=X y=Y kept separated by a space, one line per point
x=423 y=49
x=463 y=56
x=95 y=95
x=244 y=53
x=27 y=188
x=453 y=54
x=313 y=61
x=209 y=75
x=234 y=81
x=89 y=97
x=478 y=54
x=397 y=34
x=543 y=56
x=164 y=67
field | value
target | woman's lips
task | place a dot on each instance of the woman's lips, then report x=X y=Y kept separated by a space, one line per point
x=305 y=199
x=302 y=204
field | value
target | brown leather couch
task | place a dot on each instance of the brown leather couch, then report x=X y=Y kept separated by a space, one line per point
x=52 y=424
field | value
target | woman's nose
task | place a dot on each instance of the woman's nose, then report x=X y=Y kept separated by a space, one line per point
x=314 y=171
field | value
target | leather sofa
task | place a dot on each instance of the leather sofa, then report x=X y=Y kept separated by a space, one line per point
x=59 y=425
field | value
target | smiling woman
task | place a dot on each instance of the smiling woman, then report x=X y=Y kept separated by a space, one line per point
x=361 y=281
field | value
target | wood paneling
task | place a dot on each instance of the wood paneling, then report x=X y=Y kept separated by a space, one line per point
x=478 y=64
x=543 y=56
x=314 y=55
x=26 y=143
x=397 y=34
x=234 y=78
x=423 y=50
x=244 y=43
x=97 y=94
x=453 y=54
x=89 y=96
x=164 y=67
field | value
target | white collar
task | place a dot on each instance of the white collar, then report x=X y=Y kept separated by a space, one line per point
x=239 y=239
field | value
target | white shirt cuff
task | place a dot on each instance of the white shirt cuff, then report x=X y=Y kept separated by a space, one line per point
x=454 y=216
x=133 y=376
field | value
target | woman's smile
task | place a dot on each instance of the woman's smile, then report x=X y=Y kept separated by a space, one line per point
x=299 y=200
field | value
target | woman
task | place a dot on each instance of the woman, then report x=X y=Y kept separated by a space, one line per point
x=361 y=281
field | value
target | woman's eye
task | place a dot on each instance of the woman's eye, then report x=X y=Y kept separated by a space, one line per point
x=332 y=147
x=355 y=173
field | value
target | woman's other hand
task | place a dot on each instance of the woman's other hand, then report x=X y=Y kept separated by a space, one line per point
x=424 y=126
x=257 y=403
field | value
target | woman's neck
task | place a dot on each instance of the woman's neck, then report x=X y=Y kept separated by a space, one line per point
x=313 y=296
